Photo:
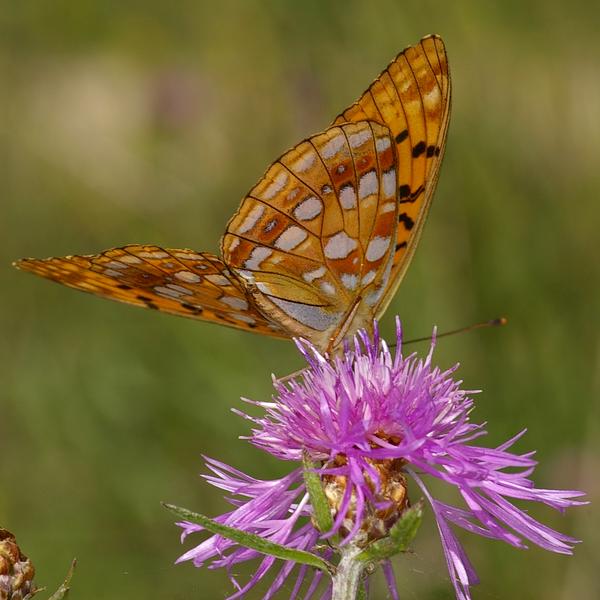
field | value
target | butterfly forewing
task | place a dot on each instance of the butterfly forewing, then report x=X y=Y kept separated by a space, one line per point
x=412 y=98
x=177 y=281
x=316 y=233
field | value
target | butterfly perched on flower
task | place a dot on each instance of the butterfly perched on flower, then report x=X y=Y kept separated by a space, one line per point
x=320 y=244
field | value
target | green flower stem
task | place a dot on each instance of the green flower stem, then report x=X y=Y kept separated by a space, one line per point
x=347 y=581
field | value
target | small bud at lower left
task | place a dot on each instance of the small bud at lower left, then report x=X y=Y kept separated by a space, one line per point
x=16 y=570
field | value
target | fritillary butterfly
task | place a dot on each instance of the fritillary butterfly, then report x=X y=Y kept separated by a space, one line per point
x=320 y=244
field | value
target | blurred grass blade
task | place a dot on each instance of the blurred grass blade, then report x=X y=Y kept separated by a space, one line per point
x=63 y=590
x=318 y=500
x=252 y=541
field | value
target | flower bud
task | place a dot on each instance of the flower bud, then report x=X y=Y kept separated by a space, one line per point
x=16 y=570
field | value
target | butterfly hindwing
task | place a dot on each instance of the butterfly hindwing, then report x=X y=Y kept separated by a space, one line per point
x=181 y=282
x=314 y=237
x=412 y=98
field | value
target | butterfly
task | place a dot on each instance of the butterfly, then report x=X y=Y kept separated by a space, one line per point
x=319 y=245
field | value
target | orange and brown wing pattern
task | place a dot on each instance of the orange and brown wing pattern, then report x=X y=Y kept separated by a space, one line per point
x=412 y=98
x=320 y=244
x=181 y=282
x=316 y=234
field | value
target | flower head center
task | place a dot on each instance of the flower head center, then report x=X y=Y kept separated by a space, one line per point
x=384 y=491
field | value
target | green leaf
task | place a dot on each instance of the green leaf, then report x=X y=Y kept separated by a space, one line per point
x=252 y=541
x=316 y=493
x=400 y=537
x=63 y=590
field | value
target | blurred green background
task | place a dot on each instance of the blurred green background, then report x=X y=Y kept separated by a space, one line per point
x=147 y=122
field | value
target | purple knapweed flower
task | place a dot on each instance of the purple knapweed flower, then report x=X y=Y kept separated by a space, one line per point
x=370 y=419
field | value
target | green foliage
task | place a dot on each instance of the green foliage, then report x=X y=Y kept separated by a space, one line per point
x=318 y=500
x=65 y=587
x=147 y=121
x=252 y=541
x=399 y=540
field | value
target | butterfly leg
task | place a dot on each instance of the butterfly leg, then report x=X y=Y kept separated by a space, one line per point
x=345 y=327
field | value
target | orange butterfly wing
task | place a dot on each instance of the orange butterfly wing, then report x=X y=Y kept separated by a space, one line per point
x=180 y=282
x=314 y=238
x=320 y=244
x=412 y=98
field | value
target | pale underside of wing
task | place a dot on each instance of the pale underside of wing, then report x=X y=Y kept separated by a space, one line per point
x=314 y=239
x=412 y=98
x=182 y=282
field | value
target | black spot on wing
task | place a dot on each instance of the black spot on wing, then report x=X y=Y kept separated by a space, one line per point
x=406 y=221
x=147 y=301
x=407 y=196
x=419 y=149
x=196 y=310
x=401 y=136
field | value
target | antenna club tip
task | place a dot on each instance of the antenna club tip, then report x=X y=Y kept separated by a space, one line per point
x=500 y=321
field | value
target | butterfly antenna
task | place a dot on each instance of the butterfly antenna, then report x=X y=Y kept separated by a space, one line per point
x=498 y=322
x=291 y=376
